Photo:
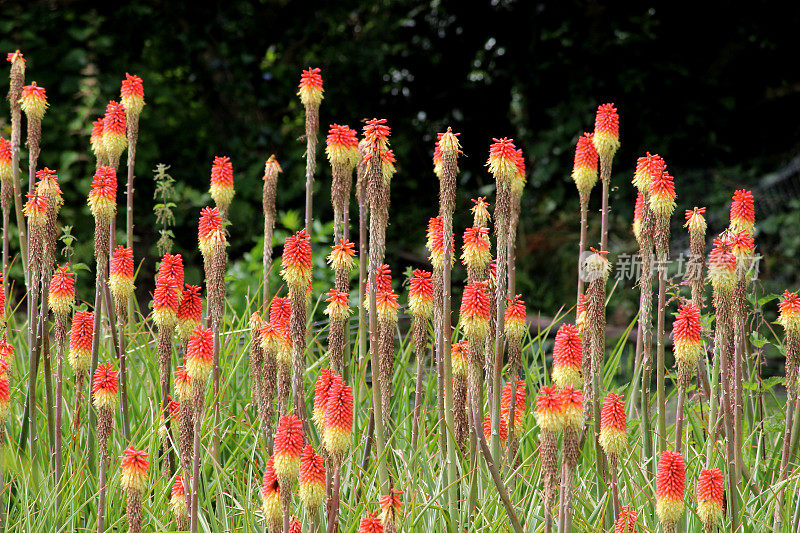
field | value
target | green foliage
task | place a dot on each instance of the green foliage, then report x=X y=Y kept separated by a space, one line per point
x=165 y=194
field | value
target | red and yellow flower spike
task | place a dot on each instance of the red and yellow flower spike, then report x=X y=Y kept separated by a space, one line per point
x=5 y=392
x=342 y=256
x=209 y=231
x=342 y=146
x=134 y=470
x=662 y=195
x=637 y=215
x=321 y=388
x=515 y=315
x=338 y=307
x=295 y=526
x=487 y=429
x=584 y=169
x=459 y=353
x=695 y=220
x=80 y=341
x=34 y=101
x=280 y=310
x=376 y=134
x=722 y=266
x=549 y=409
x=572 y=401
x=391 y=506
x=687 y=341
x=221 y=189
x=120 y=280
x=47 y=186
x=115 y=138
x=435 y=243
x=370 y=524
x=420 y=294
x=519 y=405
x=568 y=357
x=170 y=271
x=310 y=88
x=312 y=479
x=103 y=194
x=288 y=448
x=6 y=355
x=503 y=159
x=190 y=312
x=612 y=426
x=338 y=419
x=743 y=212
x=480 y=212
x=606 y=131
x=36 y=210
x=165 y=304
x=62 y=291
x=789 y=312
x=710 y=496
x=96 y=139
x=648 y=168
x=104 y=387
x=200 y=355
x=177 y=501
x=475 y=253
x=626 y=521
x=271 y=496
x=183 y=383
x=476 y=310
x=387 y=306
x=131 y=94
x=5 y=159
x=296 y=269
x=670 y=481
x=580 y=312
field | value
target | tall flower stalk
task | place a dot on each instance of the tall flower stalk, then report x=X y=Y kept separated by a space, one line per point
x=288 y=450
x=311 y=481
x=121 y=284
x=134 y=483
x=199 y=364
x=342 y=260
x=336 y=438
x=695 y=276
x=515 y=327
x=186 y=410
x=572 y=422
x=310 y=93
x=342 y=151
x=670 y=485
x=132 y=99
x=386 y=306
x=687 y=343
x=459 y=356
x=584 y=174
x=114 y=133
x=16 y=82
x=789 y=318
x=613 y=440
x=420 y=305
x=606 y=142
x=271 y=170
x=105 y=397
x=550 y=418
x=80 y=353
x=710 y=496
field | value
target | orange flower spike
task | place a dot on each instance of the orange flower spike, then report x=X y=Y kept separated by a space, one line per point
x=177 y=500
x=209 y=230
x=47 y=186
x=722 y=266
x=36 y=210
x=480 y=212
x=435 y=243
x=342 y=256
x=96 y=139
x=549 y=409
x=80 y=341
x=515 y=319
x=120 y=280
x=104 y=387
x=134 y=470
x=662 y=195
x=296 y=270
x=637 y=215
x=626 y=521
x=743 y=213
x=103 y=194
x=115 y=138
x=6 y=355
x=437 y=157
x=171 y=271
x=295 y=526
x=221 y=189
x=567 y=357
x=312 y=479
x=670 y=480
x=580 y=312
x=321 y=387
x=710 y=496
x=342 y=146
x=584 y=169
x=383 y=278
x=270 y=496
x=612 y=426
x=487 y=429
x=338 y=307
x=606 y=131
x=62 y=291
x=183 y=383
x=370 y=524
x=310 y=88
x=459 y=353
x=503 y=160
x=742 y=246
x=376 y=134
x=280 y=310
x=190 y=312
x=34 y=101
x=476 y=310
x=572 y=402
x=420 y=294
x=789 y=312
x=288 y=448
x=695 y=220
x=391 y=506
x=687 y=335
x=5 y=392
x=519 y=405
x=165 y=304
x=387 y=306
x=475 y=252
x=648 y=168
x=200 y=354
x=5 y=159
x=338 y=418
x=131 y=94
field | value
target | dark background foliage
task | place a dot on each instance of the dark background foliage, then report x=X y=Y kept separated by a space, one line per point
x=709 y=88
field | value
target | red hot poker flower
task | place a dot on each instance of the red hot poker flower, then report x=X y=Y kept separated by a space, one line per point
x=420 y=294
x=519 y=405
x=476 y=252
x=288 y=448
x=743 y=213
x=549 y=409
x=115 y=138
x=503 y=159
x=338 y=418
x=376 y=134
x=626 y=521
x=475 y=310
x=606 y=130
x=695 y=220
x=342 y=256
x=338 y=307
x=183 y=383
x=722 y=266
x=132 y=94
x=311 y=87
x=391 y=505
x=80 y=341
x=572 y=400
x=480 y=212
x=134 y=470
x=5 y=159
x=209 y=230
x=686 y=334
x=584 y=169
x=120 y=280
x=104 y=387
x=370 y=524
x=200 y=354
x=103 y=194
x=62 y=290
x=515 y=318
x=323 y=384
x=280 y=310
x=662 y=195
x=612 y=425
x=36 y=210
x=295 y=526
x=342 y=146
x=670 y=481
x=34 y=101
x=296 y=270
x=171 y=272
x=789 y=312
x=567 y=357
x=311 y=478
x=222 y=191
x=710 y=495
x=648 y=168
x=487 y=429
x=166 y=303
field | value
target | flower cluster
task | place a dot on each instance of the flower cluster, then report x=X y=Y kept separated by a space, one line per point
x=132 y=94
x=567 y=357
x=62 y=291
x=115 y=139
x=311 y=87
x=103 y=194
x=612 y=426
x=606 y=130
x=584 y=170
x=221 y=189
x=420 y=294
x=342 y=146
x=296 y=270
